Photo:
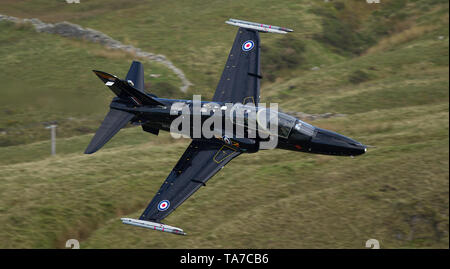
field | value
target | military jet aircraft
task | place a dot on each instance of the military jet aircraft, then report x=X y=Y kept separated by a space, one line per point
x=204 y=157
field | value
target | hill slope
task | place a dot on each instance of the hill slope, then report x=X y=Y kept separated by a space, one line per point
x=48 y=78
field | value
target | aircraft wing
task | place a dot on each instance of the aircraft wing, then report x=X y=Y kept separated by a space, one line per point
x=201 y=161
x=241 y=76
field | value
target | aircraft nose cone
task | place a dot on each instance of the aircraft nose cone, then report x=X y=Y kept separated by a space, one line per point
x=337 y=144
x=360 y=149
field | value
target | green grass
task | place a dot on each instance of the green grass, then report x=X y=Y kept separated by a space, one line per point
x=190 y=33
x=397 y=193
x=49 y=78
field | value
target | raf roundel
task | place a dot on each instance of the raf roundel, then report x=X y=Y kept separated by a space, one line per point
x=248 y=45
x=163 y=205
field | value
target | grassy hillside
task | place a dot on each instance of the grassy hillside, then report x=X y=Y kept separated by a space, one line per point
x=390 y=80
x=193 y=35
x=49 y=78
x=196 y=40
x=397 y=193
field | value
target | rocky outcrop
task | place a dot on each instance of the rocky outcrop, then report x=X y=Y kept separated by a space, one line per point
x=67 y=29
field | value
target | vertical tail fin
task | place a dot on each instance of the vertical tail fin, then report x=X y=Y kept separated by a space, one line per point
x=136 y=75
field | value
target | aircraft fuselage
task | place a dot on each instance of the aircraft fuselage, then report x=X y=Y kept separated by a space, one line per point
x=292 y=133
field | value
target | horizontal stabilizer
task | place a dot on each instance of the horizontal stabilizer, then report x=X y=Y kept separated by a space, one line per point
x=153 y=225
x=124 y=90
x=109 y=81
x=113 y=122
x=140 y=98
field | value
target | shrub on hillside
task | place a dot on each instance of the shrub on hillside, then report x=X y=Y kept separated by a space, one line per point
x=358 y=76
x=342 y=35
x=286 y=54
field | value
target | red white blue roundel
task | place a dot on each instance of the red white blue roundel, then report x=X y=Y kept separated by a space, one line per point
x=248 y=45
x=163 y=205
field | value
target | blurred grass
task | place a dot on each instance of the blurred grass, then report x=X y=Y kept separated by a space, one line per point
x=190 y=33
x=397 y=193
x=49 y=78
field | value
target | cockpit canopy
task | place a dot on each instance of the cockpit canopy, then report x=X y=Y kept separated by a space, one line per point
x=265 y=120
x=304 y=128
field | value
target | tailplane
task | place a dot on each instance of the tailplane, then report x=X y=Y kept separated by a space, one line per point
x=131 y=90
x=113 y=122
x=125 y=89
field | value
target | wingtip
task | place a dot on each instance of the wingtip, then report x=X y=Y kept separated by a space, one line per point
x=89 y=151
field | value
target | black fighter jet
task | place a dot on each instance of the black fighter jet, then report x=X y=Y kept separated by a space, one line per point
x=205 y=156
